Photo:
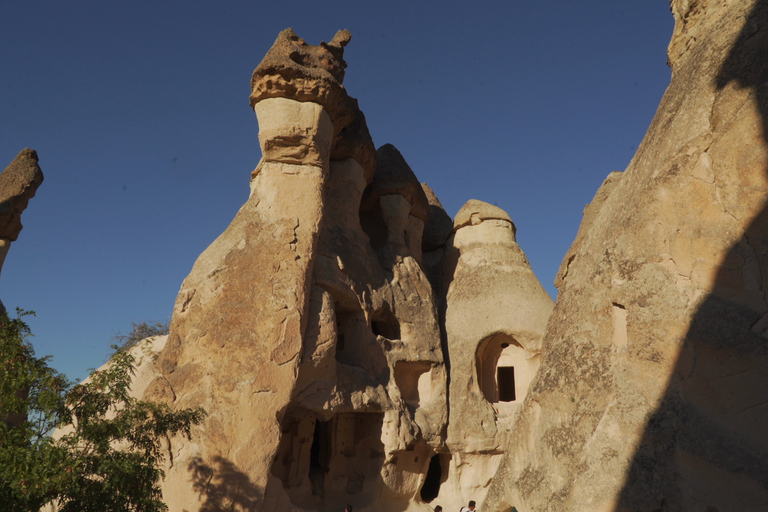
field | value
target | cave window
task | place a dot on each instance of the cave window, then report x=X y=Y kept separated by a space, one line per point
x=414 y=380
x=505 y=377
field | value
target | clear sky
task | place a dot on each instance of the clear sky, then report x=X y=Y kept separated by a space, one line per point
x=139 y=113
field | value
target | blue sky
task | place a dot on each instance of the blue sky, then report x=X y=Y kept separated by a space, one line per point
x=139 y=113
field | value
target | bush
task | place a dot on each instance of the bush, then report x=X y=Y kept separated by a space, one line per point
x=139 y=331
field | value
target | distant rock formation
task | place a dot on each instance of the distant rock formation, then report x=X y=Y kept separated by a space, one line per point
x=18 y=184
x=652 y=390
x=312 y=329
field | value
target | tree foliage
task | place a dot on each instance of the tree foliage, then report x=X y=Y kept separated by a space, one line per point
x=106 y=454
x=139 y=331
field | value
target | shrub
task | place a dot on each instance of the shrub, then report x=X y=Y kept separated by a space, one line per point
x=107 y=457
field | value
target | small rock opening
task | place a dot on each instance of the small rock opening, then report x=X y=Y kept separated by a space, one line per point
x=351 y=329
x=431 y=487
x=414 y=380
x=384 y=323
x=319 y=456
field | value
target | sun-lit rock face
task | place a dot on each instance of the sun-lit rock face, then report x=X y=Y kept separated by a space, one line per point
x=312 y=335
x=652 y=388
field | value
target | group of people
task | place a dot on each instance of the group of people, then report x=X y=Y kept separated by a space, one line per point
x=469 y=508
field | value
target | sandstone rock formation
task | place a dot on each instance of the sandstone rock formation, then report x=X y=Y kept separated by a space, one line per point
x=352 y=344
x=312 y=330
x=18 y=184
x=652 y=390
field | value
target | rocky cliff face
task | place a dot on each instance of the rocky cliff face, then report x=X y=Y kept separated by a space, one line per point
x=652 y=387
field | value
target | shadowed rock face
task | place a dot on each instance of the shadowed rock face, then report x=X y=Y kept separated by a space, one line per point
x=652 y=388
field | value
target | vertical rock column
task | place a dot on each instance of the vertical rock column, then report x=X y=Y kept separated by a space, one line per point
x=239 y=320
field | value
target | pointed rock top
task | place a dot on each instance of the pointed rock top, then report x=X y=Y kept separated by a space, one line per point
x=394 y=176
x=18 y=183
x=294 y=69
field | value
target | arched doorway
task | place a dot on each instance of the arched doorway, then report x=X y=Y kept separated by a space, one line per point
x=504 y=369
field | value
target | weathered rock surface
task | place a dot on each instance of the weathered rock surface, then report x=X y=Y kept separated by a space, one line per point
x=18 y=184
x=652 y=389
x=312 y=335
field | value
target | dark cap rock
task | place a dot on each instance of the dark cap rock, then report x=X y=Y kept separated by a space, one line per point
x=303 y=72
x=299 y=71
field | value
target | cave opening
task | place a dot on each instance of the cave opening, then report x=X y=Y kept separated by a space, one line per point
x=431 y=487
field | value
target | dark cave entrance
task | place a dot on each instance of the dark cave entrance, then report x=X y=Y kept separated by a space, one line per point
x=384 y=323
x=431 y=487
x=319 y=456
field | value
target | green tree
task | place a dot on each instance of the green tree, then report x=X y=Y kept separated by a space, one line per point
x=107 y=456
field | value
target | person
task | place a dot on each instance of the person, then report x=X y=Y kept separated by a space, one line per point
x=348 y=508
x=438 y=509
x=469 y=508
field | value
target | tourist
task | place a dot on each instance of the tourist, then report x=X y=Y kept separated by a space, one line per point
x=469 y=508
